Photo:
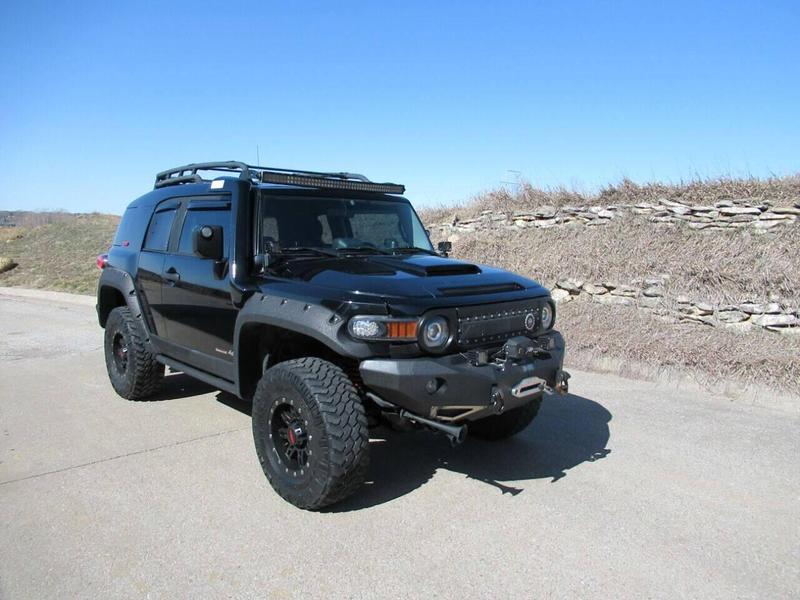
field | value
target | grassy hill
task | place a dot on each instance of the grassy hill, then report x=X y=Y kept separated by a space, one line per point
x=59 y=255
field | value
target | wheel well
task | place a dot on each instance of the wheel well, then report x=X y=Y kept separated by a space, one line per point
x=108 y=299
x=262 y=346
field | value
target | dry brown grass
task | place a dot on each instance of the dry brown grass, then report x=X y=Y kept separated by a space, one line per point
x=58 y=256
x=28 y=218
x=720 y=267
x=777 y=190
x=713 y=356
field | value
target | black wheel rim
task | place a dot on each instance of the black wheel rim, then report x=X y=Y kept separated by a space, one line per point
x=119 y=350
x=290 y=437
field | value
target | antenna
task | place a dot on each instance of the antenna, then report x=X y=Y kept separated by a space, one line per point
x=258 y=158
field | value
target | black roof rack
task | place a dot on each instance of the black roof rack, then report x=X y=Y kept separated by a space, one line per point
x=338 y=181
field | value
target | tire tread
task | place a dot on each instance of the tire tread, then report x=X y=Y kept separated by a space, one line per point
x=345 y=420
x=148 y=373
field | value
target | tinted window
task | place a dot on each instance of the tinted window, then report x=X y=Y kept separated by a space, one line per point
x=158 y=232
x=196 y=219
x=341 y=223
x=130 y=228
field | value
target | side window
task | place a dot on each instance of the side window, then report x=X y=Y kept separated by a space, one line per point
x=158 y=233
x=196 y=218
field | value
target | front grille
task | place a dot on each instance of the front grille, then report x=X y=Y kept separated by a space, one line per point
x=495 y=323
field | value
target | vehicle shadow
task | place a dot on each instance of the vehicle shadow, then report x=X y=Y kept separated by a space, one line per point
x=177 y=385
x=568 y=431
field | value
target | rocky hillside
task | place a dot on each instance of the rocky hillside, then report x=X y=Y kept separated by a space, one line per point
x=702 y=277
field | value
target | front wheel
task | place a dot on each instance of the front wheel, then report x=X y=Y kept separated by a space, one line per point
x=310 y=432
x=512 y=422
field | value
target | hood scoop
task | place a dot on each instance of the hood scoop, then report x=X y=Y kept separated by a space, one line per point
x=451 y=269
x=431 y=266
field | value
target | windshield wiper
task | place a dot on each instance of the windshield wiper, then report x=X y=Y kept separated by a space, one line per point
x=306 y=249
x=279 y=258
x=361 y=249
x=403 y=249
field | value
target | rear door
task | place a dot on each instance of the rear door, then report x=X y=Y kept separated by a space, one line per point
x=198 y=308
x=149 y=272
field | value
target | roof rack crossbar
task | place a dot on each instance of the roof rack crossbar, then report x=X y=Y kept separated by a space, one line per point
x=188 y=173
x=339 y=180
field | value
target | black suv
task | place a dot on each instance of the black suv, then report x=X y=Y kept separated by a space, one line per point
x=319 y=297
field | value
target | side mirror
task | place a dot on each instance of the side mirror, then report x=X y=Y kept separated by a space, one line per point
x=444 y=248
x=207 y=242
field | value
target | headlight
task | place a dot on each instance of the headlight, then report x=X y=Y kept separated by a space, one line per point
x=548 y=314
x=435 y=332
x=378 y=328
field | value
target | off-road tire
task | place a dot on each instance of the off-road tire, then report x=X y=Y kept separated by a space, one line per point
x=512 y=422
x=323 y=402
x=142 y=375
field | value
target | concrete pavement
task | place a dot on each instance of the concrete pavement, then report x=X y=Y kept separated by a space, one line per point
x=623 y=489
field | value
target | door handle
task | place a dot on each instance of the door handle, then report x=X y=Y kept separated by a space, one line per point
x=172 y=275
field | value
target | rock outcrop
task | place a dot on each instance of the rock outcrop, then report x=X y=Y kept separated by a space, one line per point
x=650 y=295
x=725 y=214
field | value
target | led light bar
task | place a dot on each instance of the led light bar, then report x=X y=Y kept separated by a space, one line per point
x=331 y=183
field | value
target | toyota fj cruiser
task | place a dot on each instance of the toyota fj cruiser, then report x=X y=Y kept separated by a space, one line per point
x=319 y=297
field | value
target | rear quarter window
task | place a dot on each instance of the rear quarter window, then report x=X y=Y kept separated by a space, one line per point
x=131 y=229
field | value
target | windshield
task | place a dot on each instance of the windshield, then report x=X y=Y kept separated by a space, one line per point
x=339 y=224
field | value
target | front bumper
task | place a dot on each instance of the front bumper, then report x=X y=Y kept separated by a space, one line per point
x=450 y=388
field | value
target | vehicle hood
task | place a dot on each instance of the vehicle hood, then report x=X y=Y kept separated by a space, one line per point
x=412 y=276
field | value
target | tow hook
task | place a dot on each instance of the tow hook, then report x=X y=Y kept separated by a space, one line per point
x=562 y=382
x=497 y=401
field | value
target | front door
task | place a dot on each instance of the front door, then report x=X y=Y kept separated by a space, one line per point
x=149 y=271
x=198 y=310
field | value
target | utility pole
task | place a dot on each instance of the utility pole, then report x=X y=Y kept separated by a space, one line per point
x=517 y=175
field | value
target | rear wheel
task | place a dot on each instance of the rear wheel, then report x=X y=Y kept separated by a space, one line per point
x=512 y=422
x=134 y=372
x=310 y=432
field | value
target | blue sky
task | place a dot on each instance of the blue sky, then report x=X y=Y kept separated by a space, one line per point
x=444 y=97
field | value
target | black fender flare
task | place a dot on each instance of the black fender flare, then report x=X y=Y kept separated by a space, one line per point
x=304 y=317
x=121 y=281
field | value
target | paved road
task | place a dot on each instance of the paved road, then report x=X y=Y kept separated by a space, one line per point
x=624 y=489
